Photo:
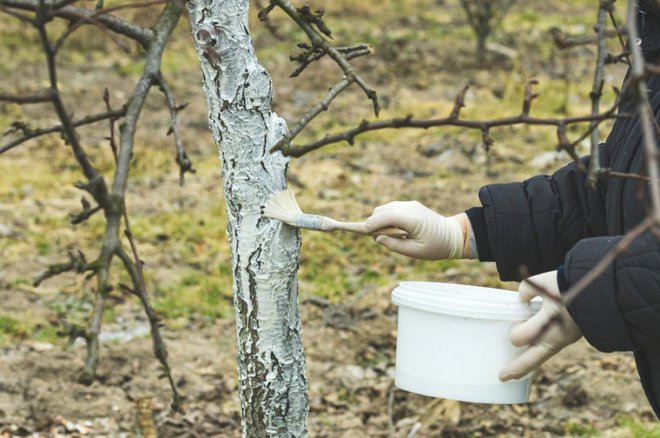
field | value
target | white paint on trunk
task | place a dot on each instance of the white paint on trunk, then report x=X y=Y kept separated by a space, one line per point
x=265 y=253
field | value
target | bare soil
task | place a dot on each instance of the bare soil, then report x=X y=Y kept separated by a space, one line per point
x=350 y=360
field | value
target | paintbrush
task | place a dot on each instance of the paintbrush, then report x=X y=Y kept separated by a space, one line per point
x=284 y=207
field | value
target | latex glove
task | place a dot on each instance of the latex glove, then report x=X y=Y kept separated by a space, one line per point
x=560 y=333
x=430 y=236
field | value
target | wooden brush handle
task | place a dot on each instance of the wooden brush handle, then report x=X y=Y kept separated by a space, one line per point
x=358 y=227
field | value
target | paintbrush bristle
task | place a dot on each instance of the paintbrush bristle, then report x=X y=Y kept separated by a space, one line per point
x=283 y=207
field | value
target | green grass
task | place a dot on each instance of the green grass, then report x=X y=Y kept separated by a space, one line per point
x=573 y=428
x=47 y=333
x=641 y=430
x=194 y=294
x=9 y=325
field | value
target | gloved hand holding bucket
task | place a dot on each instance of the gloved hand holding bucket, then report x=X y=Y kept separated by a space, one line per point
x=464 y=342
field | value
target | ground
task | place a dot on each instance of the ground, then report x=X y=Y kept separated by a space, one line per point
x=423 y=56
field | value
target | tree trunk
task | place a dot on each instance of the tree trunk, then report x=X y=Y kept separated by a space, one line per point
x=265 y=253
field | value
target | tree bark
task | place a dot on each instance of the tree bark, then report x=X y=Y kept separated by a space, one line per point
x=265 y=253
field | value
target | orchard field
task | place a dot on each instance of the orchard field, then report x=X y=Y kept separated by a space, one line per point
x=424 y=53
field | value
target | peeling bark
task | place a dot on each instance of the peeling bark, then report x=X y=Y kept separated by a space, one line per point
x=265 y=253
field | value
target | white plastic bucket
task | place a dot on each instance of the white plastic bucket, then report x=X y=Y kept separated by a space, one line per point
x=452 y=341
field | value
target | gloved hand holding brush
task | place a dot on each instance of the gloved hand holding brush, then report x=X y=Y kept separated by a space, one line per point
x=431 y=236
x=284 y=207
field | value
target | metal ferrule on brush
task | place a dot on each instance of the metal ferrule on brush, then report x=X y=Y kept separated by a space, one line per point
x=313 y=222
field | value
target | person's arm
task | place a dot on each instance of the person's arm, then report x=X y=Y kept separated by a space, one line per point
x=620 y=310
x=536 y=222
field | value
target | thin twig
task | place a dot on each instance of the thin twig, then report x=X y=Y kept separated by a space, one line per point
x=92 y=19
x=597 y=90
x=621 y=247
x=84 y=215
x=41 y=97
x=635 y=176
x=77 y=263
x=323 y=105
x=111 y=124
x=263 y=17
x=185 y=165
x=29 y=134
x=73 y=14
x=318 y=41
x=87 y=374
x=313 y=53
x=563 y=41
x=134 y=268
x=20 y=16
x=620 y=32
x=68 y=128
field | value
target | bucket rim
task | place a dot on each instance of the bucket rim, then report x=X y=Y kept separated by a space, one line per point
x=470 y=301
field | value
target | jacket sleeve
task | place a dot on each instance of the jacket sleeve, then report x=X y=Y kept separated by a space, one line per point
x=536 y=222
x=620 y=310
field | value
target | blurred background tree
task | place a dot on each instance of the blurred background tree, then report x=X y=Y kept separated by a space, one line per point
x=484 y=16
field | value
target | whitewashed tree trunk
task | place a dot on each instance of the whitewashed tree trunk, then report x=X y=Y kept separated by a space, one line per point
x=265 y=253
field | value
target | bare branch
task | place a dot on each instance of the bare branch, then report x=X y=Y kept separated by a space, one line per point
x=67 y=125
x=482 y=125
x=77 y=263
x=635 y=176
x=564 y=144
x=303 y=18
x=563 y=41
x=185 y=165
x=163 y=29
x=545 y=293
x=313 y=53
x=596 y=123
x=116 y=208
x=29 y=134
x=84 y=215
x=597 y=90
x=459 y=102
x=313 y=112
x=92 y=19
x=88 y=372
x=263 y=17
x=97 y=186
x=134 y=269
x=619 y=32
x=620 y=248
x=73 y=14
x=529 y=97
x=41 y=97
x=18 y=15
x=111 y=124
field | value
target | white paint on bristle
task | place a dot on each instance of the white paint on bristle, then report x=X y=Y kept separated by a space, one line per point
x=283 y=207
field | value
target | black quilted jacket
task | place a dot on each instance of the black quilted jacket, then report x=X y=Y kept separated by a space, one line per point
x=559 y=222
